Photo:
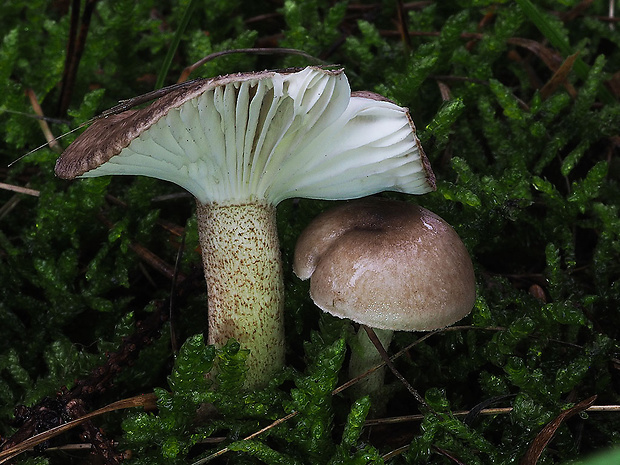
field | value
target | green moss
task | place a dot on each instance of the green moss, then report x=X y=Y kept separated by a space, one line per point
x=529 y=180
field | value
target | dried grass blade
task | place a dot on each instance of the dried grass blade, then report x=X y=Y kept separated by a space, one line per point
x=559 y=78
x=546 y=434
x=147 y=401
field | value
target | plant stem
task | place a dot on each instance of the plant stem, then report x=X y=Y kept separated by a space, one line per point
x=243 y=270
x=174 y=45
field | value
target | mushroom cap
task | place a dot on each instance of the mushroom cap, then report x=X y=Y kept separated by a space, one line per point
x=386 y=264
x=263 y=136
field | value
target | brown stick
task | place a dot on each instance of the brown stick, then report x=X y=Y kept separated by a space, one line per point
x=75 y=49
x=49 y=137
x=256 y=51
x=19 y=189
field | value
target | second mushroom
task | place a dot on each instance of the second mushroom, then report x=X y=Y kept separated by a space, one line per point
x=241 y=144
x=389 y=265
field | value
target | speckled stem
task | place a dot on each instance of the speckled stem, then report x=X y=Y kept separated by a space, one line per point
x=243 y=269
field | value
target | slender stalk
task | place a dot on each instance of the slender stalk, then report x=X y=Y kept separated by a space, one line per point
x=386 y=358
x=243 y=270
x=363 y=358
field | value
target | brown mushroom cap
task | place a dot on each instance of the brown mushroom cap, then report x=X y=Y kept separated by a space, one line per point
x=386 y=264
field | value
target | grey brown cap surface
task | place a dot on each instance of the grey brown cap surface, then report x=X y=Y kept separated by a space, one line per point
x=386 y=264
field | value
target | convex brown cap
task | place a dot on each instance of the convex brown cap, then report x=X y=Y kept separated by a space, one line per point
x=386 y=264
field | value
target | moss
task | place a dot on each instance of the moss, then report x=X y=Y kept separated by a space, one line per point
x=529 y=179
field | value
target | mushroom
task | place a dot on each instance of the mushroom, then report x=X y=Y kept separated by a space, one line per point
x=385 y=264
x=240 y=144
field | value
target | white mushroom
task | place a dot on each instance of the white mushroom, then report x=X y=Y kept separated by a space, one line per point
x=241 y=144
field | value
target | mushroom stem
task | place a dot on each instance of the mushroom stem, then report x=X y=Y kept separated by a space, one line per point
x=243 y=270
x=386 y=358
x=365 y=356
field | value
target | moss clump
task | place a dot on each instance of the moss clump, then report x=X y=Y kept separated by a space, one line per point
x=523 y=138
